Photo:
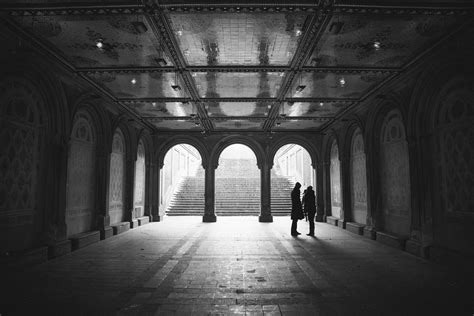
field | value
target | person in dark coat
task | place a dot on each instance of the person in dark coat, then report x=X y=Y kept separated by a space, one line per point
x=309 y=201
x=296 y=209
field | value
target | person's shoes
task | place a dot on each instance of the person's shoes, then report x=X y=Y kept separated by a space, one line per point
x=310 y=234
x=298 y=233
x=294 y=234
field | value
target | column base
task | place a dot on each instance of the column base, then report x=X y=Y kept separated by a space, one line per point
x=156 y=218
x=265 y=219
x=209 y=218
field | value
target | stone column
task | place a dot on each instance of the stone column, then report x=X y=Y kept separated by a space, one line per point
x=319 y=192
x=209 y=194
x=373 y=193
x=327 y=190
x=265 y=194
x=345 y=191
x=155 y=192
x=103 y=181
x=130 y=191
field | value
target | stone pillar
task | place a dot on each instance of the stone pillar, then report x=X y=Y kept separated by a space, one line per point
x=345 y=190
x=319 y=192
x=373 y=194
x=130 y=191
x=103 y=181
x=155 y=192
x=327 y=190
x=265 y=194
x=209 y=194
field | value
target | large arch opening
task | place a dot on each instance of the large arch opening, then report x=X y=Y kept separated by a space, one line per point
x=237 y=182
x=291 y=164
x=182 y=182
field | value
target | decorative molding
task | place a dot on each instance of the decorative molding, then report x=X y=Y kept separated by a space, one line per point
x=351 y=70
x=422 y=9
x=125 y=70
x=238 y=68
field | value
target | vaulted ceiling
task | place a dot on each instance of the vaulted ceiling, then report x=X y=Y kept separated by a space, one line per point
x=237 y=67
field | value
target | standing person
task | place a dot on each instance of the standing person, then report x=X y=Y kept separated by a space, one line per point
x=296 y=209
x=309 y=201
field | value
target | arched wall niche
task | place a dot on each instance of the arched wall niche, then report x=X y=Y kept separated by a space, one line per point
x=116 y=207
x=237 y=139
x=140 y=181
x=358 y=177
x=81 y=180
x=394 y=175
x=25 y=127
x=161 y=150
x=335 y=179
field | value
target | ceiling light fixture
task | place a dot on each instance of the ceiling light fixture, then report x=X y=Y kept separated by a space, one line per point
x=298 y=32
x=278 y=123
x=342 y=82
x=269 y=106
x=377 y=45
x=194 y=74
x=99 y=44
x=197 y=123
x=186 y=52
x=282 y=74
x=161 y=61
x=153 y=104
x=140 y=27
x=300 y=88
x=133 y=81
x=321 y=103
x=180 y=33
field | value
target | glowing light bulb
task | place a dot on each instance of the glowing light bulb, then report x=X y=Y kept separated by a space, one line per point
x=99 y=44
x=342 y=82
x=321 y=103
x=298 y=32
x=180 y=33
x=153 y=104
x=133 y=81
x=376 y=45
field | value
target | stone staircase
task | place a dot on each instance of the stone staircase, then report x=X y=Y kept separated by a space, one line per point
x=237 y=192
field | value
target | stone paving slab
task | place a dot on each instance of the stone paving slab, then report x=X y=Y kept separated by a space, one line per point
x=236 y=266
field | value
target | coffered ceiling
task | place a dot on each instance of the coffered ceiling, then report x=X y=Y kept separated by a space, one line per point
x=271 y=66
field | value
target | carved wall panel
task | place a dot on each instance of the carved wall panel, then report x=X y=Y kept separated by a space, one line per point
x=395 y=176
x=80 y=202
x=117 y=179
x=139 y=192
x=335 y=175
x=454 y=165
x=358 y=179
x=21 y=127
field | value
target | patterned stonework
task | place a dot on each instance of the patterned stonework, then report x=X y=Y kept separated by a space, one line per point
x=358 y=179
x=335 y=174
x=116 y=184
x=81 y=177
x=395 y=175
x=20 y=152
x=139 y=192
x=456 y=152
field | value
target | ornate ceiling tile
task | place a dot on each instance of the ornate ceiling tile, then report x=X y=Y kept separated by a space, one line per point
x=224 y=109
x=330 y=85
x=142 y=85
x=238 y=124
x=377 y=40
x=99 y=40
x=250 y=39
x=237 y=84
x=182 y=125
x=162 y=109
x=313 y=109
x=294 y=124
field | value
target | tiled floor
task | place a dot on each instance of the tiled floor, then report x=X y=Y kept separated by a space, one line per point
x=236 y=266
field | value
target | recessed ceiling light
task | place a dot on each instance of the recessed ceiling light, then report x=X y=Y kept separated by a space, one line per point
x=179 y=33
x=197 y=123
x=321 y=103
x=336 y=27
x=186 y=52
x=282 y=74
x=278 y=123
x=266 y=113
x=269 y=106
x=194 y=74
x=133 y=81
x=377 y=45
x=298 y=32
x=153 y=104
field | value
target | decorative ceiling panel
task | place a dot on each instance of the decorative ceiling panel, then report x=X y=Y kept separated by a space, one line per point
x=126 y=40
x=147 y=85
x=377 y=41
x=313 y=109
x=162 y=109
x=238 y=39
x=283 y=125
x=251 y=109
x=334 y=85
x=188 y=125
x=238 y=124
x=237 y=84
